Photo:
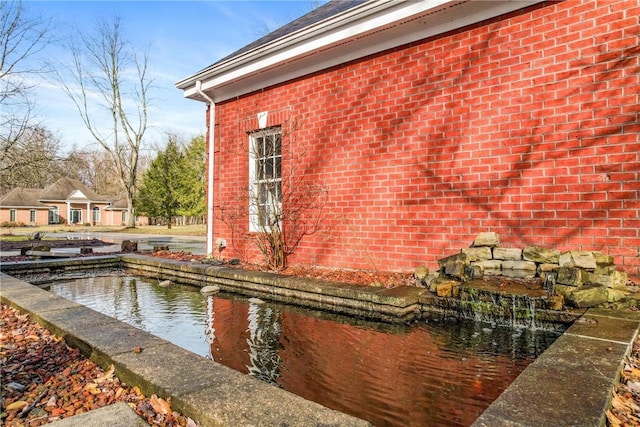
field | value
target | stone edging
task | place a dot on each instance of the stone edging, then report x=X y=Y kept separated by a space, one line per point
x=400 y=304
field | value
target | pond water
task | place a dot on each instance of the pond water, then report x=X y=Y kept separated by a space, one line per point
x=419 y=374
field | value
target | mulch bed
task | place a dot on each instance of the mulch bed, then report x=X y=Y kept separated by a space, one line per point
x=353 y=277
x=44 y=380
x=625 y=401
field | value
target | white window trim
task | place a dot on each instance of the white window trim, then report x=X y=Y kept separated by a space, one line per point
x=13 y=215
x=94 y=217
x=253 y=188
x=33 y=216
x=54 y=215
x=74 y=210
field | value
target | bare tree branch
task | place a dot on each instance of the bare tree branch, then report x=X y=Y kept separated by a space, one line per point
x=21 y=38
x=100 y=70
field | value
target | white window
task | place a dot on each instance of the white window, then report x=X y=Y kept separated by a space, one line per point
x=265 y=178
x=76 y=216
x=32 y=216
x=96 y=214
x=124 y=216
x=54 y=215
x=12 y=215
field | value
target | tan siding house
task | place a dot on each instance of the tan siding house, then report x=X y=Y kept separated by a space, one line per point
x=67 y=201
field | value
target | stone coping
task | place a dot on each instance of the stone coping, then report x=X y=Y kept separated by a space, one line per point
x=208 y=392
x=571 y=382
x=396 y=305
x=372 y=302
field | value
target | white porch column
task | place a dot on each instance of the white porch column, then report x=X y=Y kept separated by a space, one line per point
x=68 y=213
x=89 y=218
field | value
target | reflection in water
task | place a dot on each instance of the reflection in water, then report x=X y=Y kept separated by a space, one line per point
x=423 y=374
x=264 y=346
x=177 y=313
x=210 y=330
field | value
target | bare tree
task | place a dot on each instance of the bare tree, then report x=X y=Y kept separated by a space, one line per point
x=31 y=161
x=108 y=76
x=21 y=39
x=282 y=204
x=95 y=169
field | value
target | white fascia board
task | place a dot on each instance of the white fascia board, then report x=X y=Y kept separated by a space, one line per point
x=288 y=54
x=352 y=23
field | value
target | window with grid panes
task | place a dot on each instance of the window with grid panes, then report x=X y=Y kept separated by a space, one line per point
x=265 y=174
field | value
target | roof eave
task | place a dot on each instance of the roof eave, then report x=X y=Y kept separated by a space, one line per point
x=283 y=43
x=288 y=53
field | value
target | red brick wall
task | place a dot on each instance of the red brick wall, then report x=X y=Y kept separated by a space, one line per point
x=527 y=126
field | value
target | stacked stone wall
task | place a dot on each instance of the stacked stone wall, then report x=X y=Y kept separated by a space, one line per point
x=581 y=278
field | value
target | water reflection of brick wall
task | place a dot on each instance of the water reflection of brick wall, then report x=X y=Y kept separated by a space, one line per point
x=230 y=345
x=393 y=376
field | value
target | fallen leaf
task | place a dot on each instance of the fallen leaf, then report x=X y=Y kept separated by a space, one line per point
x=52 y=401
x=634 y=386
x=624 y=405
x=119 y=392
x=137 y=349
x=106 y=376
x=16 y=405
x=159 y=405
x=32 y=337
x=57 y=412
x=613 y=420
x=191 y=423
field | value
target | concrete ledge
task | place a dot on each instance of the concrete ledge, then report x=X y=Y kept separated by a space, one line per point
x=209 y=393
x=374 y=302
x=116 y=415
x=571 y=382
x=60 y=265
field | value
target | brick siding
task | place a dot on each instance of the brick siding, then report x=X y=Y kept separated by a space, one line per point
x=527 y=125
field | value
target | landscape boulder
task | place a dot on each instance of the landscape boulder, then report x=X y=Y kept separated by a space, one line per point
x=488 y=238
x=541 y=255
x=129 y=246
x=507 y=254
x=579 y=259
x=587 y=296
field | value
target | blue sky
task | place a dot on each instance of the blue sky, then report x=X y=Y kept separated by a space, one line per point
x=182 y=36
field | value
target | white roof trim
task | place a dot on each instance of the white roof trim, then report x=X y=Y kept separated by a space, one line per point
x=291 y=54
x=77 y=195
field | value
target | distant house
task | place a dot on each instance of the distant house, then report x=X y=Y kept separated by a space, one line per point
x=116 y=213
x=67 y=201
x=428 y=122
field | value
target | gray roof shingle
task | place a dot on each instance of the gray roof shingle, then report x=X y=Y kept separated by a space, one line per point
x=23 y=198
x=62 y=189
x=323 y=12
